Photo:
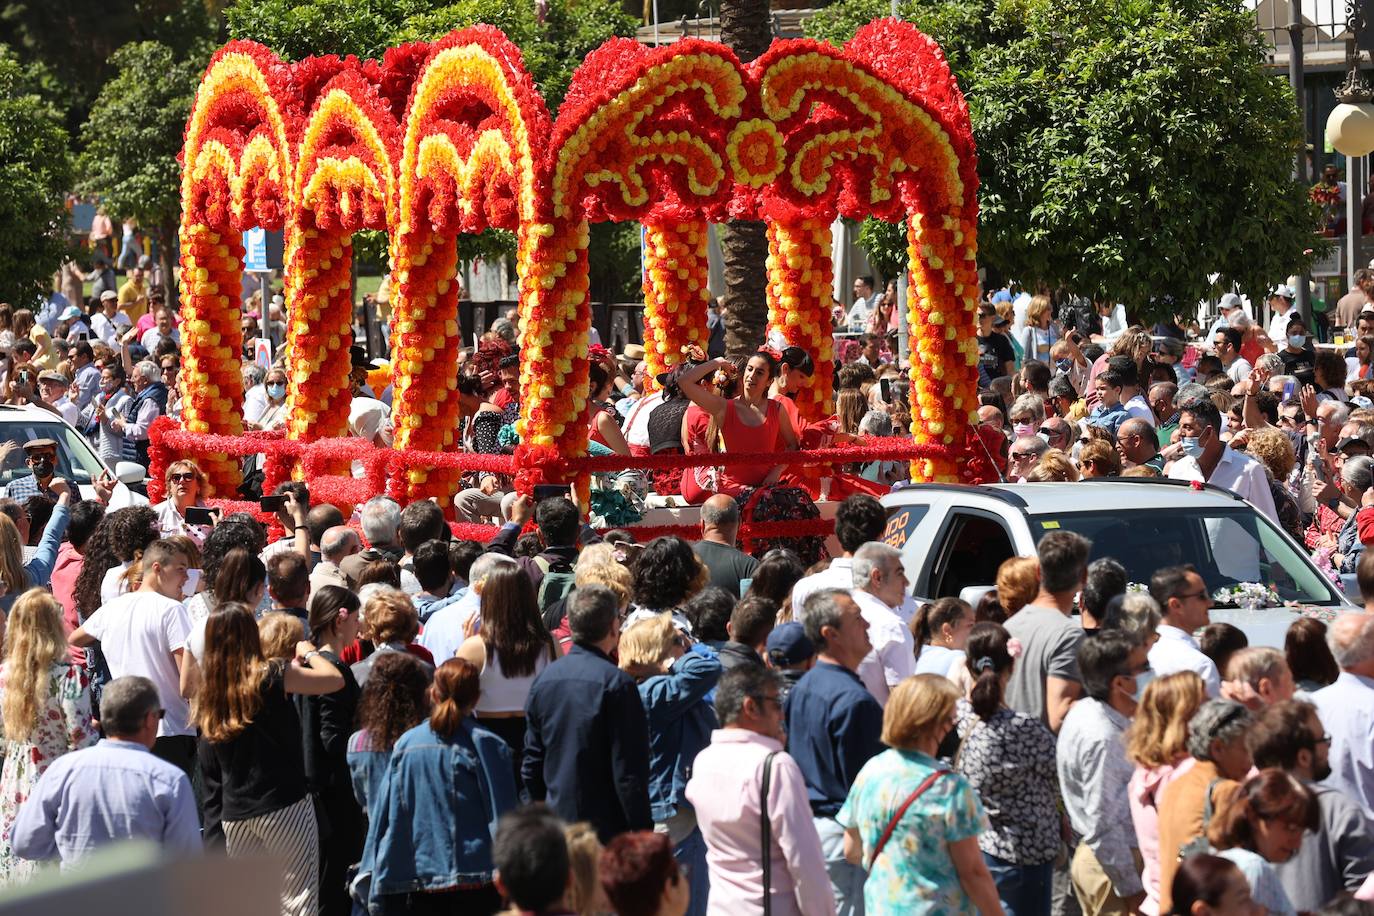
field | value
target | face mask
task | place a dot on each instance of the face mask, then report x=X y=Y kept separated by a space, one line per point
x=1142 y=681
x=276 y=392
x=1296 y=340
x=1023 y=429
x=42 y=468
x=1191 y=448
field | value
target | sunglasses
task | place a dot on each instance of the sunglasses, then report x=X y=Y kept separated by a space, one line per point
x=181 y=477
x=1021 y=456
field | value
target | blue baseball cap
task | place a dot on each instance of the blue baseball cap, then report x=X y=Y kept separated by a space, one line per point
x=788 y=645
x=1001 y=295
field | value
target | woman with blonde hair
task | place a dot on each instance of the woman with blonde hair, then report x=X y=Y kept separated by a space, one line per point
x=45 y=705
x=1157 y=743
x=1098 y=459
x=1040 y=332
x=250 y=749
x=185 y=482
x=584 y=895
x=908 y=870
x=673 y=685
x=1054 y=466
x=1018 y=582
x=18 y=574
x=279 y=633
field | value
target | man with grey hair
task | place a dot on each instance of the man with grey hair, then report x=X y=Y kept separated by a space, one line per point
x=1216 y=740
x=337 y=543
x=724 y=793
x=112 y=792
x=727 y=564
x=1346 y=708
x=1356 y=480
x=880 y=584
x=447 y=627
x=834 y=726
x=1023 y=455
x=254 y=392
x=381 y=524
x=148 y=403
x=586 y=734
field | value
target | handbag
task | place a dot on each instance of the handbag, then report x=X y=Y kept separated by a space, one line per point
x=892 y=824
x=766 y=830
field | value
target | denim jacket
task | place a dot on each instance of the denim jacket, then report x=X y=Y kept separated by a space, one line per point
x=436 y=811
x=680 y=725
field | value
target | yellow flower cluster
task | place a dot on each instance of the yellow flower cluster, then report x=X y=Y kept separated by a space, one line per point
x=675 y=293
x=800 y=274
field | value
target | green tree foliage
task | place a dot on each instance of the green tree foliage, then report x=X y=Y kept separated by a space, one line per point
x=366 y=28
x=134 y=133
x=75 y=40
x=1128 y=148
x=35 y=173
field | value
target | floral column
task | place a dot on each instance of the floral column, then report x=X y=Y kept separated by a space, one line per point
x=800 y=275
x=212 y=344
x=676 y=296
x=942 y=303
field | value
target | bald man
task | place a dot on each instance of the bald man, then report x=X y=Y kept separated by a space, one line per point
x=1138 y=445
x=728 y=566
x=1346 y=708
x=991 y=416
x=337 y=544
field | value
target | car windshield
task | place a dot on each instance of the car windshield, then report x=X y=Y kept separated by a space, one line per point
x=1229 y=546
x=75 y=459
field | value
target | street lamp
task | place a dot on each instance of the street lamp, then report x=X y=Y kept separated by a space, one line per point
x=1350 y=127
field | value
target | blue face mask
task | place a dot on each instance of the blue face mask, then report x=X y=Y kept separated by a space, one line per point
x=1296 y=340
x=1191 y=448
x=1142 y=680
x=276 y=392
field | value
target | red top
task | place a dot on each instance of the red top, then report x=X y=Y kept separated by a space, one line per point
x=741 y=437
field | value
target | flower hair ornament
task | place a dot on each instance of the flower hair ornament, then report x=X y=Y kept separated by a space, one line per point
x=771 y=352
x=1014 y=647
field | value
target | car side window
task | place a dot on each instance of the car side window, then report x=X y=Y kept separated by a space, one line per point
x=973 y=548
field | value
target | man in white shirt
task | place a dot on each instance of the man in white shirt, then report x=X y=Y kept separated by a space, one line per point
x=863 y=303
x=53 y=387
x=879 y=586
x=1184 y=602
x=165 y=329
x=109 y=324
x=144 y=633
x=1281 y=302
x=1207 y=458
x=1346 y=709
x=860 y=519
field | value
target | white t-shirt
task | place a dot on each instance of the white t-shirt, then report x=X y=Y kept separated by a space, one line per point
x=113 y=584
x=138 y=633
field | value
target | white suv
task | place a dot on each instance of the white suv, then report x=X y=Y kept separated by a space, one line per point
x=77 y=461
x=954 y=537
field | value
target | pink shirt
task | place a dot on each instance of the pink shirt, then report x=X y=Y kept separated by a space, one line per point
x=1145 y=789
x=63 y=585
x=724 y=790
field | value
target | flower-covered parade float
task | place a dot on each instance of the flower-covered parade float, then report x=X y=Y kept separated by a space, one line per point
x=450 y=137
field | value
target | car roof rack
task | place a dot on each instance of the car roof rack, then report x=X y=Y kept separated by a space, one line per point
x=992 y=490
x=1168 y=482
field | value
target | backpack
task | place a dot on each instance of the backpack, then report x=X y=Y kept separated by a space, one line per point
x=556 y=584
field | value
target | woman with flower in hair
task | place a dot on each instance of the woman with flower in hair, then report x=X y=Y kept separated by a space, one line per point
x=749 y=422
x=1008 y=758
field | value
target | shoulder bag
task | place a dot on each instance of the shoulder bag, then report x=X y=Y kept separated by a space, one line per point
x=892 y=824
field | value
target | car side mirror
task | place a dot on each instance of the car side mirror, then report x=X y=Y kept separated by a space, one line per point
x=130 y=473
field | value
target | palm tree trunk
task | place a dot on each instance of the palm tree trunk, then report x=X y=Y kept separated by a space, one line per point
x=746 y=28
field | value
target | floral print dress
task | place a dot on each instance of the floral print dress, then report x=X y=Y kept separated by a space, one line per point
x=64 y=724
x=914 y=873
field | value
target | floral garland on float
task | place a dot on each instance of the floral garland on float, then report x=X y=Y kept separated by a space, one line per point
x=345 y=176
x=640 y=136
x=475 y=129
x=879 y=128
x=236 y=174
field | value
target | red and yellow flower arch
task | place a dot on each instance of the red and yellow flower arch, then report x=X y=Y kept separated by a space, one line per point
x=453 y=137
